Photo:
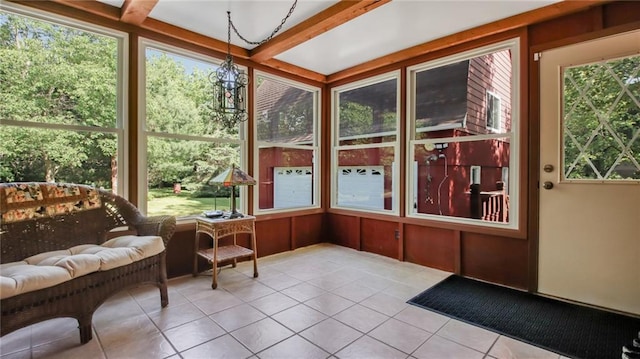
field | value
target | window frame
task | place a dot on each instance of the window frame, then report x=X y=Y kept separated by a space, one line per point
x=315 y=146
x=143 y=134
x=120 y=129
x=336 y=147
x=514 y=45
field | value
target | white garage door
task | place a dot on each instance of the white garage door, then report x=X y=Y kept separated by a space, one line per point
x=292 y=187
x=361 y=186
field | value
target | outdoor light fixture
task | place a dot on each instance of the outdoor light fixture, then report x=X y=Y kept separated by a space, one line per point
x=233 y=177
x=229 y=89
x=230 y=83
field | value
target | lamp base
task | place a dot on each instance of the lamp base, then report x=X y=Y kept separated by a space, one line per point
x=233 y=215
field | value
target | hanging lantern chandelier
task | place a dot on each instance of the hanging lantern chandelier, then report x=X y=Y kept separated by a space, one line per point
x=230 y=83
x=229 y=89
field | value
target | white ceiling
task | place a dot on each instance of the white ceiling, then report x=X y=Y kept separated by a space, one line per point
x=386 y=29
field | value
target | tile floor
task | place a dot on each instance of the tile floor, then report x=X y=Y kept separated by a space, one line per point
x=322 y=301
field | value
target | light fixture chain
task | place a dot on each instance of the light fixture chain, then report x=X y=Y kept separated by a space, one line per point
x=275 y=31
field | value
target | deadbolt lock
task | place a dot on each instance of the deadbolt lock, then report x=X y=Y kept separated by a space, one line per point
x=548 y=168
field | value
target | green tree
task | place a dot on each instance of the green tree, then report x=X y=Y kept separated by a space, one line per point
x=601 y=118
x=56 y=75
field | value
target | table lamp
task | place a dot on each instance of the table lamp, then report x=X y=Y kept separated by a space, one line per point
x=233 y=177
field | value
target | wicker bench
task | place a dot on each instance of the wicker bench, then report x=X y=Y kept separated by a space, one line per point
x=66 y=248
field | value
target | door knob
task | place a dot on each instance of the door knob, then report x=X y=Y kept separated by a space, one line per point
x=547 y=185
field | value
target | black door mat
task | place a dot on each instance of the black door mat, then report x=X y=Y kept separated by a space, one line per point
x=571 y=330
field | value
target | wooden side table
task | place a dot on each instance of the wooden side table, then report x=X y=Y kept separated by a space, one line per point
x=218 y=228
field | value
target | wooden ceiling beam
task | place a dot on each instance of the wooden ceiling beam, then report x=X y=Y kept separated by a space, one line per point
x=521 y=20
x=293 y=69
x=136 y=11
x=93 y=7
x=191 y=37
x=316 y=25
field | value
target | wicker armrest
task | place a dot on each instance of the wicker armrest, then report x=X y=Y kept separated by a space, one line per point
x=163 y=226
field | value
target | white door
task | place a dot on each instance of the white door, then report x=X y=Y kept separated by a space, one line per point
x=589 y=244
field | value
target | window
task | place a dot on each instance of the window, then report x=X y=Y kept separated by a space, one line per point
x=600 y=126
x=475 y=174
x=463 y=116
x=287 y=144
x=62 y=110
x=494 y=112
x=365 y=144
x=181 y=146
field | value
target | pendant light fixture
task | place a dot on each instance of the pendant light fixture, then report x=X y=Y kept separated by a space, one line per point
x=230 y=83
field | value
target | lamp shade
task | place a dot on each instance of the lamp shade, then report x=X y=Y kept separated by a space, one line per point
x=233 y=177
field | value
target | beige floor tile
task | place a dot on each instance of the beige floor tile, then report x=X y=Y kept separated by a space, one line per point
x=23 y=354
x=439 y=348
x=116 y=310
x=145 y=291
x=385 y=304
x=355 y=292
x=278 y=280
x=231 y=279
x=400 y=335
x=305 y=272
x=507 y=348
x=150 y=346
x=329 y=303
x=294 y=347
x=361 y=318
x=375 y=282
x=367 y=347
x=251 y=291
x=422 y=318
x=331 y=335
x=17 y=341
x=299 y=318
x=193 y=333
x=264 y=314
x=261 y=334
x=237 y=317
x=126 y=330
x=53 y=330
x=217 y=301
x=402 y=291
x=152 y=303
x=303 y=292
x=468 y=335
x=69 y=348
x=273 y=303
x=173 y=316
x=332 y=280
x=224 y=347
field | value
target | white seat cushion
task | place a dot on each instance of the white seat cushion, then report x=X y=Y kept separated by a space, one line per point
x=48 y=269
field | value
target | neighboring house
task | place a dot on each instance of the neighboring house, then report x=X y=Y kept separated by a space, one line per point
x=478 y=102
x=284 y=116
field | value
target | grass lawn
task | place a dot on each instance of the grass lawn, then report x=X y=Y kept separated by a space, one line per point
x=164 y=202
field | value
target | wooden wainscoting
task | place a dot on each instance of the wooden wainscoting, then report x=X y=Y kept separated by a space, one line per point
x=431 y=247
x=495 y=259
